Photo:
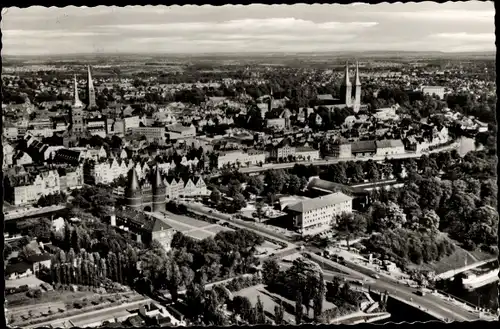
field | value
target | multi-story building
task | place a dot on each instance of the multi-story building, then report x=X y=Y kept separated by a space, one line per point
x=153 y=134
x=434 y=90
x=29 y=188
x=8 y=155
x=278 y=123
x=306 y=153
x=341 y=150
x=283 y=150
x=131 y=122
x=238 y=157
x=145 y=228
x=390 y=147
x=105 y=171
x=70 y=178
x=98 y=126
x=363 y=148
x=179 y=131
x=313 y=216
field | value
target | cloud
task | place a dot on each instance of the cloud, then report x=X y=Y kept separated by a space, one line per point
x=245 y=25
x=486 y=16
x=466 y=37
x=48 y=34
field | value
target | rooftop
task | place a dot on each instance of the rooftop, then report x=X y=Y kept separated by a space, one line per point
x=317 y=203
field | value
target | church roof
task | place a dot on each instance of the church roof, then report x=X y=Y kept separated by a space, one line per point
x=133 y=181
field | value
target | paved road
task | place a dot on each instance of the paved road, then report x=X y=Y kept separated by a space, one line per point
x=270 y=166
x=435 y=304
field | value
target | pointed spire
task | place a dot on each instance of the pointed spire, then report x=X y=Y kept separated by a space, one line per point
x=133 y=181
x=357 y=81
x=347 y=80
x=157 y=181
x=76 y=101
x=90 y=89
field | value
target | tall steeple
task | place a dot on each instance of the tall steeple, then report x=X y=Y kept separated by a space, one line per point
x=357 y=92
x=90 y=90
x=347 y=80
x=159 y=191
x=76 y=102
x=346 y=87
x=133 y=193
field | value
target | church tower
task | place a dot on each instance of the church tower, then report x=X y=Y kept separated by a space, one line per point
x=133 y=195
x=159 y=191
x=357 y=97
x=90 y=90
x=346 y=88
x=76 y=112
x=270 y=101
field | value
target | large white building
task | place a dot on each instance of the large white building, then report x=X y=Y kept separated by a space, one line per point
x=390 y=147
x=313 y=216
x=26 y=189
x=238 y=157
x=434 y=90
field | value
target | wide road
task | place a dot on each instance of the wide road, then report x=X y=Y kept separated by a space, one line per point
x=434 y=305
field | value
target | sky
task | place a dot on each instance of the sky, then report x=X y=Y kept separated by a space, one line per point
x=425 y=26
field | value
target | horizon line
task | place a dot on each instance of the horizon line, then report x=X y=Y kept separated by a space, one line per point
x=253 y=53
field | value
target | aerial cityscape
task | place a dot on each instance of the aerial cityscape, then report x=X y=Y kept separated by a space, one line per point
x=249 y=165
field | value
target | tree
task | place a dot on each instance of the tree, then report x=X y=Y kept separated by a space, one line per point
x=215 y=196
x=255 y=185
x=275 y=180
x=242 y=306
x=259 y=311
x=279 y=313
x=174 y=281
x=319 y=297
x=76 y=240
x=298 y=308
x=271 y=271
x=387 y=216
x=349 y=224
x=429 y=221
x=259 y=209
x=294 y=184
x=430 y=193
x=239 y=201
x=195 y=300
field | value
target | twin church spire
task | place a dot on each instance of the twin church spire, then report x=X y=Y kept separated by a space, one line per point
x=346 y=89
x=91 y=103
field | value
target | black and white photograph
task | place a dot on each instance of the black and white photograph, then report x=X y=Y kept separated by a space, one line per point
x=169 y=165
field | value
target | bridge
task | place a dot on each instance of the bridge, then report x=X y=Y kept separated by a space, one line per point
x=13 y=215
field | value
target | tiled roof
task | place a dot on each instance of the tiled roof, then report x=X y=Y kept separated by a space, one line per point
x=363 y=146
x=388 y=143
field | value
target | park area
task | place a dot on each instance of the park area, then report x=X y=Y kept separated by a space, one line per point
x=271 y=299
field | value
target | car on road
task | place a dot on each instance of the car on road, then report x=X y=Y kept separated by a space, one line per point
x=420 y=292
x=375 y=276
